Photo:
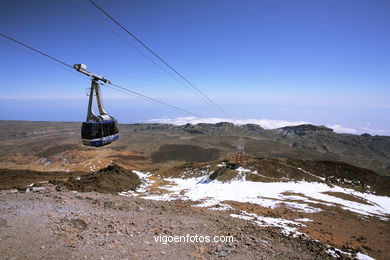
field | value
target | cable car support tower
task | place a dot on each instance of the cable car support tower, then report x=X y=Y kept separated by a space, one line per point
x=240 y=152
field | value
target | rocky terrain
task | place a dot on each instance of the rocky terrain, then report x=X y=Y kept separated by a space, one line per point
x=52 y=224
x=82 y=215
x=301 y=193
x=56 y=146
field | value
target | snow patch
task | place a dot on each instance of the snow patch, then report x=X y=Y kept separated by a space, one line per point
x=302 y=196
x=303 y=220
x=146 y=182
x=287 y=226
x=272 y=195
x=361 y=256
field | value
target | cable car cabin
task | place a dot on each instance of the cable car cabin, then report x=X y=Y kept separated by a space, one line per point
x=99 y=133
x=102 y=129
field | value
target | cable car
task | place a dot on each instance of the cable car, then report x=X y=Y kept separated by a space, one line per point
x=102 y=129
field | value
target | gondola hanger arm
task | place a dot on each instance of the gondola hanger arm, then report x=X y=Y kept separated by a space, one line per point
x=83 y=69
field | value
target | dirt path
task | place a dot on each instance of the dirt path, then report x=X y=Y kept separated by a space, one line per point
x=50 y=224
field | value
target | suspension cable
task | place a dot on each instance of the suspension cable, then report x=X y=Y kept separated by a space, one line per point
x=128 y=91
x=89 y=14
x=31 y=48
x=209 y=100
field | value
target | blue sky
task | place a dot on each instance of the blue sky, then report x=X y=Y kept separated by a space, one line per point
x=322 y=62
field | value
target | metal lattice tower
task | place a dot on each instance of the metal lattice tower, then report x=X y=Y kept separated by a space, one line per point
x=240 y=151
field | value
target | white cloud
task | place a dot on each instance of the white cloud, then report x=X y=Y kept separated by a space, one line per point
x=341 y=129
x=374 y=131
x=265 y=123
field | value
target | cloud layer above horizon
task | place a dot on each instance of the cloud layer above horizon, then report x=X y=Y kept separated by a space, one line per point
x=265 y=123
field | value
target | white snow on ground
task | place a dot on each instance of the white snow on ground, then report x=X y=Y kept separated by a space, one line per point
x=145 y=180
x=335 y=253
x=296 y=195
x=223 y=164
x=303 y=220
x=287 y=226
x=211 y=193
x=271 y=194
x=361 y=256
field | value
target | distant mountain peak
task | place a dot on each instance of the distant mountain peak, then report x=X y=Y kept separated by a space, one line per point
x=302 y=130
x=307 y=127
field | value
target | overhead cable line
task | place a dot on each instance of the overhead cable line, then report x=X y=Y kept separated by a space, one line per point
x=128 y=91
x=152 y=99
x=31 y=48
x=40 y=57
x=87 y=12
x=209 y=100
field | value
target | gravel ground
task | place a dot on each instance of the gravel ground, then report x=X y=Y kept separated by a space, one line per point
x=52 y=224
